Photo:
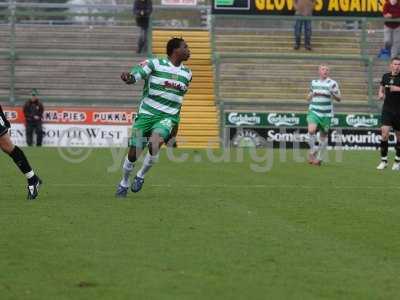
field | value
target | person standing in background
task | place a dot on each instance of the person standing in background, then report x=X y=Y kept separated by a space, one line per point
x=142 y=10
x=303 y=8
x=389 y=93
x=33 y=111
x=391 y=30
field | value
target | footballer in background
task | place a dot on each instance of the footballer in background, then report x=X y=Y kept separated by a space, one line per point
x=320 y=112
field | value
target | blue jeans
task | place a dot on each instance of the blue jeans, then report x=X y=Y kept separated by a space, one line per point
x=307 y=32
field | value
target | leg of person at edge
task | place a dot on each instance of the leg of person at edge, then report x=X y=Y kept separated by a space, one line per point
x=19 y=158
x=389 y=93
x=158 y=112
x=322 y=93
x=391 y=30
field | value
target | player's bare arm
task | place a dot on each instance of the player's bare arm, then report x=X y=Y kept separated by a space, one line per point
x=394 y=88
x=381 y=92
x=336 y=96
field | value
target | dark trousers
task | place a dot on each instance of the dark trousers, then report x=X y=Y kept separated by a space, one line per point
x=37 y=128
x=143 y=24
x=142 y=42
x=307 y=32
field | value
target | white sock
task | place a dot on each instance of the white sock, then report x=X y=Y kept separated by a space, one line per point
x=148 y=162
x=322 y=148
x=312 y=138
x=29 y=175
x=126 y=172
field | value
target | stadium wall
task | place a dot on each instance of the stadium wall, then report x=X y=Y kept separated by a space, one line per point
x=76 y=126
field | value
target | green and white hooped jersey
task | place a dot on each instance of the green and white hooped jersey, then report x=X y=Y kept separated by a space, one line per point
x=321 y=102
x=164 y=87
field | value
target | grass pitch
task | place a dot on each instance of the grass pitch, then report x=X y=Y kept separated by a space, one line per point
x=201 y=229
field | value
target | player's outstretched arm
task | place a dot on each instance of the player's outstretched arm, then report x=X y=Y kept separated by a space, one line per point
x=128 y=78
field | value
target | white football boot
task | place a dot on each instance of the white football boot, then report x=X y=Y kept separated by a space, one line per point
x=396 y=166
x=382 y=165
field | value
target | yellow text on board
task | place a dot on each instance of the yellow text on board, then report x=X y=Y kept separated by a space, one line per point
x=327 y=5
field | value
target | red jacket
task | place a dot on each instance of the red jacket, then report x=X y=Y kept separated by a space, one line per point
x=394 y=10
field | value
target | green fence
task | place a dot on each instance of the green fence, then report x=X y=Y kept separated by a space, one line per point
x=16 y=17
x=368 y=37
x=14 y=14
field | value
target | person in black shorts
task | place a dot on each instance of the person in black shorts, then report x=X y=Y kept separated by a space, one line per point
x=389 y=92
x=18 y=157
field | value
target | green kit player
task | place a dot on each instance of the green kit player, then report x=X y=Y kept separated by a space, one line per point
x=166 y=81
x=320 y=112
